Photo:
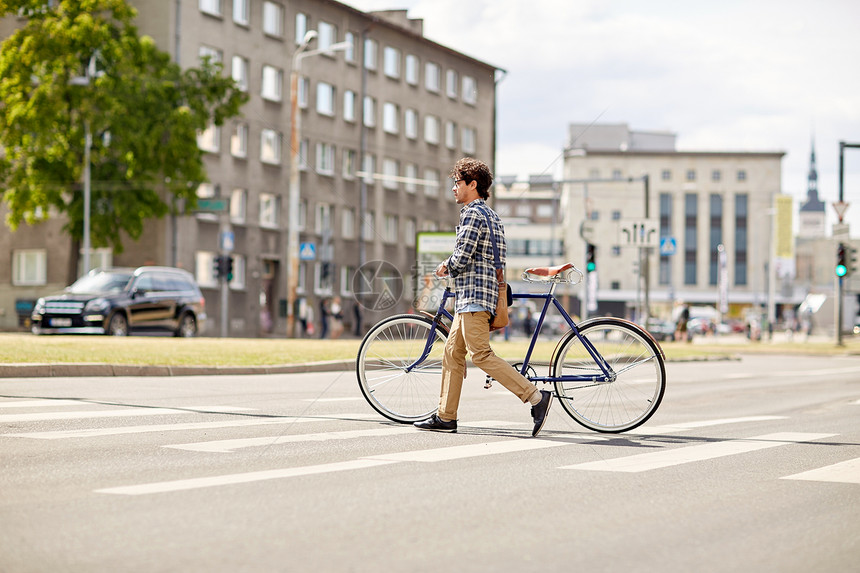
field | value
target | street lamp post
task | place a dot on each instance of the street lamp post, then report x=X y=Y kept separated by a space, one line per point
x=295 y=190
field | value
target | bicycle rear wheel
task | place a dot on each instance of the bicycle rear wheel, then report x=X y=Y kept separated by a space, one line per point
x=381 y=367
x=628 y=400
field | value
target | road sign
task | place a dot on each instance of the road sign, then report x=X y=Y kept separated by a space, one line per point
x=213 y=205
x=227 y=241
x=668 y=246
x=586 y=231
x=840 y=207
x=638 y=232
x=308 y=252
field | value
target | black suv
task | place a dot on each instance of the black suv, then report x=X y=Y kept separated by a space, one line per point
x=118 y=301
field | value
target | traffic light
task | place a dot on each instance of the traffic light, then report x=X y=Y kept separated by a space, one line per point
x=850 y=259
x=841 y=261
x=590 y=259
x=217 y=267
x=228 y=267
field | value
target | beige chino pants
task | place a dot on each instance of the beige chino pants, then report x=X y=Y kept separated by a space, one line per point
x=470 y=332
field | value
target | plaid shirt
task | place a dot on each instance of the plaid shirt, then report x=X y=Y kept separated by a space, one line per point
x=471 y=265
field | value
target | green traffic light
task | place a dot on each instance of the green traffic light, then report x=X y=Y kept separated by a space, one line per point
x=841 y=270
x=591 y=266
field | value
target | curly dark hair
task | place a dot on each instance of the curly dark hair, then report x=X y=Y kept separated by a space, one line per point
x=470 y=169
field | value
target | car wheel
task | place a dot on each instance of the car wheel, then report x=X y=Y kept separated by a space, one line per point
x=187 y=326
x=118 y=325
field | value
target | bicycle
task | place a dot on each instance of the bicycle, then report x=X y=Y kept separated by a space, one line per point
x=609 y=374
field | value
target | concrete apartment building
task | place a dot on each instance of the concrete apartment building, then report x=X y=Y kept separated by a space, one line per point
x=700 y=199
x=381 y=124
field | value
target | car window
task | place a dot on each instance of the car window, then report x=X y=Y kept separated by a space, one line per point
x=101 y=283
x=145 y=283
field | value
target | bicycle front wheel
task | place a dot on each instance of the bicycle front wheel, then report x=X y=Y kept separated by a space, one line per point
x=395 y=390
x=637 y=369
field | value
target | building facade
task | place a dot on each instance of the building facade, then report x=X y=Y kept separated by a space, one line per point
x=690 y=204
x=382 y=122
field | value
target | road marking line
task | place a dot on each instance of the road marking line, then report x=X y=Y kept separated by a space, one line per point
x=248 y=477
x=672 y=428
x=683 y=455
x=98 y=432
x=43 y=403
x=469 y=451
x=843 y=472
x=228 y=446
x=145 y=411
x=351 y=399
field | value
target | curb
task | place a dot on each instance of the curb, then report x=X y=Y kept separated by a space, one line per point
x=108 y=370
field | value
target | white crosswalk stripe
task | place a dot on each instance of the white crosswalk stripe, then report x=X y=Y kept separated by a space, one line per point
x=843 y=472
x=677 y=456
x=123 y=413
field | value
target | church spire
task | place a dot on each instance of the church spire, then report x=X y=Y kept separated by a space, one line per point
x=812 y=203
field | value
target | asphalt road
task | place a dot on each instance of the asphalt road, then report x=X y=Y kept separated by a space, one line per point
x=750 y=465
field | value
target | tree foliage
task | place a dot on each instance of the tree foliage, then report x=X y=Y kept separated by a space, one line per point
x=143 y=110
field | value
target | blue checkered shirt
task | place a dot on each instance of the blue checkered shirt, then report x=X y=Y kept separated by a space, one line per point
x=471 y=263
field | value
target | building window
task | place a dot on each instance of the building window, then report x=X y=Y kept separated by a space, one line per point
x=273 y=83
x=389 y=231
x=615 y=285
x=691 y=208
x=431 y=187
x=410 y=124
x=304 y=90
x=616 y=174
x=327 y=37
x=303 y=214
x=450 y=135
x=273 y=19
x=204 y=273
x=241 y=11
x=350 y=162
x=301 y=27
x=322 y=278
x=410 y=172
x=431 y=129
x=368 y=167
x=211 y=7
x=468 y=142
x=470 y=90
x=369 y=111
x=214 y=54
x=391 y=62
x=238 y=205
x=412 y=70
x=616 y=215
x=451 y=84
x=716 y=175
x=665 y=274
x=691 y=174
x=390 y=171
x=666 y=175
x=742 y=175
x=239 y=141
x=741 y=237
x=409 y=226
x=304 y=151
x=240 y=72
x=270 y=146
x=322 y=219
x=325 y=159
x=716 y=236
x=325 y=99
x=268 y=210
x=390 y=115
x=29 y=267
x=349 y=53
x=207 y=190
x=370 y=56
x=349 y=106
x=431 y=77
x=346 y=274
x=209 y=139
x=367 y=227
x=347 y=227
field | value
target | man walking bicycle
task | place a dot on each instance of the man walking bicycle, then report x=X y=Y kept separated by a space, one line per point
x=471 y=267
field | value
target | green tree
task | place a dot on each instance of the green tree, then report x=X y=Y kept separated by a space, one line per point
x=143 y=110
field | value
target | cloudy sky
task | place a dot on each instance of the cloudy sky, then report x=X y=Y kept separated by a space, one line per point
x=733 y=75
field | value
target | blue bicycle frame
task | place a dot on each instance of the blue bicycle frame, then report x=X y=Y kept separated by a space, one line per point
x=608 y=374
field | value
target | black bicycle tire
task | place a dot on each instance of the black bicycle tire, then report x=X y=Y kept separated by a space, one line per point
x=644 y=338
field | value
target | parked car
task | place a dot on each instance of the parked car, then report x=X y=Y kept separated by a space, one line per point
x=661 y=330
x=119 y=301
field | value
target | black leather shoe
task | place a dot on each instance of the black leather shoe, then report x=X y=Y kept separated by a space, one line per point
x=437 y=425
x=540 y=411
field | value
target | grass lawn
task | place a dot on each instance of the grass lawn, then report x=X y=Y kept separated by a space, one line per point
x=20 y=348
